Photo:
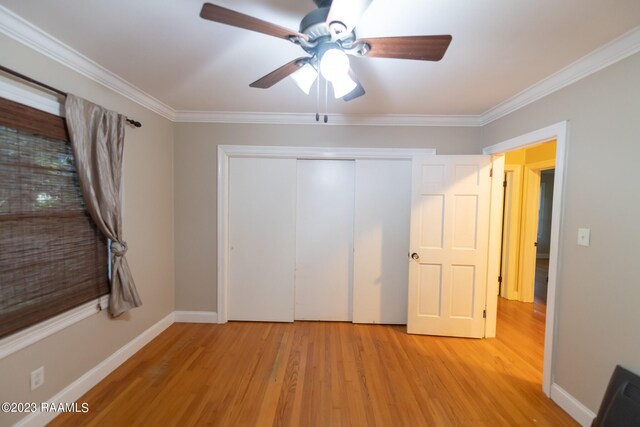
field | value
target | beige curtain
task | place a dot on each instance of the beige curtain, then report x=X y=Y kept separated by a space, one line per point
x=97 y=139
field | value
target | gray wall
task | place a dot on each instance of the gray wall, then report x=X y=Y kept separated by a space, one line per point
x=598 y=298
x=148 y=229
x=196 y=146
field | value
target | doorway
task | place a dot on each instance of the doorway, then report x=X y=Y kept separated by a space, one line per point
x=557 y=132
x=526 y=225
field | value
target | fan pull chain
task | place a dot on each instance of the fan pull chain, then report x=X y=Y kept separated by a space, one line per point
x=326 y=101
x=318 y=97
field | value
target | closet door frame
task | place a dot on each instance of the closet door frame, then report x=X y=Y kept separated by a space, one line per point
x=225 y=152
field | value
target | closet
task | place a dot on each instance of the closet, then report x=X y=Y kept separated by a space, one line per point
x=318 y=239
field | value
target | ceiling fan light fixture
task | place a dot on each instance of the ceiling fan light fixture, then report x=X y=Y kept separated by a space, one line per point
x=305 y=77
x=343 y=86
x=334 y=64
x=327 y=35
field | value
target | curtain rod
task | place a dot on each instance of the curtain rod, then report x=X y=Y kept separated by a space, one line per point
x=53 y=89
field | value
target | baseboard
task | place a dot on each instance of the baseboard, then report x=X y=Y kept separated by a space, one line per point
x=572 y=406
x=75 y=390
x=196 y=316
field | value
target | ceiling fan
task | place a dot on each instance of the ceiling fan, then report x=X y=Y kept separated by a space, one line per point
x=327 y=35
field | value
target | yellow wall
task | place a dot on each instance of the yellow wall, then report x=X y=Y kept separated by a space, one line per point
x=517 y=157
x=539 y=153
x=542 y=152
x=512 y=264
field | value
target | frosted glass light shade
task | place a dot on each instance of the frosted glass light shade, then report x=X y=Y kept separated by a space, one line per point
x=334 y=65
x=343 y=86
x=305 y=77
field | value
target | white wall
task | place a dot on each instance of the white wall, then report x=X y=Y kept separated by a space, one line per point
x=598 y=298
x=148 y=229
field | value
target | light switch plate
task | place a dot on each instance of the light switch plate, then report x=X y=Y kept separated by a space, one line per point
x=584 y=236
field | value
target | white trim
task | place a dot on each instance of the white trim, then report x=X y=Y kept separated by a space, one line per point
x=612 y=52
x=33 y=37
x=223 y=230
x=559 y=132
x=79 y=387
x=227 y=151
x=196 y=317
x=287 y=152
x=26 y=33
x=334 y=119
x=532 y=138
x=18 y=93
x=494 y=247
x=35 y=333
x=572 y=406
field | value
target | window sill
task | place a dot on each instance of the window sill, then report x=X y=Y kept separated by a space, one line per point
x=35 y=333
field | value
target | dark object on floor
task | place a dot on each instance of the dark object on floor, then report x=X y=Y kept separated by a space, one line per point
x=621 y=402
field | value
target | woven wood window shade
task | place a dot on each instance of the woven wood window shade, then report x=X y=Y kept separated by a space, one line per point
x=52 y=256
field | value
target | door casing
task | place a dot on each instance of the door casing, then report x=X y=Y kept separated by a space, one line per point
x=559 y=132
x=529 y=232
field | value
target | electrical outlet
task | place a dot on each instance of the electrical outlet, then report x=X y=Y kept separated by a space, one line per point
x=37 y=378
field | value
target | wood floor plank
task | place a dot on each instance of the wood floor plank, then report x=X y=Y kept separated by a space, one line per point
x=329 y=374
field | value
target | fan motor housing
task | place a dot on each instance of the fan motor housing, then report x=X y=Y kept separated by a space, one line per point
x=314 y=25
x=323 y=3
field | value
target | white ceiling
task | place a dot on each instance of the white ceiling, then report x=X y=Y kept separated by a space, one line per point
x=499 y=48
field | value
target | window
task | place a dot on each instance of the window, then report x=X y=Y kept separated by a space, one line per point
x=52 y=256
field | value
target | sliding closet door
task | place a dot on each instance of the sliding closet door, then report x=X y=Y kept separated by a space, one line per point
x=262 y=198
x=324 y=240
x=381 y=264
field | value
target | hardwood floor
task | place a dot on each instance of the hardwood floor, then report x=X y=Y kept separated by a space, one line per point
x=329 y=374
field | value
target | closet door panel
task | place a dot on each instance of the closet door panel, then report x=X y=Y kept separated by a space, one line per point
x=262 y=206
x=382 y=215
x=324 y=240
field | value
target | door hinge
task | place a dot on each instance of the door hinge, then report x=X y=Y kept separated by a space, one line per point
x=504 y=184
x=499 y=279
x=491 y=173
x=484 y=313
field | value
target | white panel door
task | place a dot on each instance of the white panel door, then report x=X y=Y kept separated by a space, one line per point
x=324 y=240
x=449 y=243
x=382 y=212
x=262 y=197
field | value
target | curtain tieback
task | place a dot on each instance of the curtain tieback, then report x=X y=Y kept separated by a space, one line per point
x=118 y=248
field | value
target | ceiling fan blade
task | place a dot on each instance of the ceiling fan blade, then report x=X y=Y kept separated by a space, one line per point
x=223 y=15
x=357 y=92
x=424 y=48
x=345 y=14
x=279 y=74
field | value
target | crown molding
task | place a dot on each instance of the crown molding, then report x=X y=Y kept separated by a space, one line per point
x=26 y=33
x=333 y=119
x=608 y=54
x=31 y=36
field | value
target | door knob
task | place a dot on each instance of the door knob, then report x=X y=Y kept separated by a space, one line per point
x=415 y=256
